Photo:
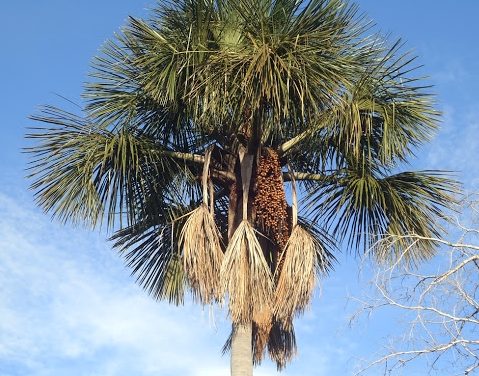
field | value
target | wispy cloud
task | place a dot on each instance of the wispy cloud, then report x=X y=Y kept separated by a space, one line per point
x=453 y=71
x=456 y=147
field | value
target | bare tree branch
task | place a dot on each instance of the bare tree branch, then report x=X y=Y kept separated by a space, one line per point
x=442 y=305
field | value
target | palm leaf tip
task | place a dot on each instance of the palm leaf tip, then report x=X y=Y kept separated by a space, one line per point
x=62 y=166
x=153 y=259
x=262 y=324
x=83 y=172
x=245 y=275
x=420 y=206
x=282 y=344
x=364 y=206
x=202 y=254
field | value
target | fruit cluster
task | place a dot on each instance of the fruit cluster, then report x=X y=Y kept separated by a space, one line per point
x=270 y=200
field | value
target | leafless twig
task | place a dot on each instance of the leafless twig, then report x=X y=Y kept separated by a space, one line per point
x=441 y=299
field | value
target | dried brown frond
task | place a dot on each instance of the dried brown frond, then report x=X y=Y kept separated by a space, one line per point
x=302 y=257
x=245 y=275
x=262 y=323
x=202 y=255
x=263 y=318
x=282 y=344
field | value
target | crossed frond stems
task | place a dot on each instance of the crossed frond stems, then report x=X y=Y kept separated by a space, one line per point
x=200 y=159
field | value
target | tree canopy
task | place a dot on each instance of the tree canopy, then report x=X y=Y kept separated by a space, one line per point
x=303 y=87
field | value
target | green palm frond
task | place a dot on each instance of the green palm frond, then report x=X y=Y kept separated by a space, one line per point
x=288 y=70
x=194 y=57
x=84 y=173
x=388 y=112
x=121 y=96
x=413 y=200
x=362 y=208
x=382 y=117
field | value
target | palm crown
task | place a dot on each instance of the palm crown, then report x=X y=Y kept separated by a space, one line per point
x=197 y=117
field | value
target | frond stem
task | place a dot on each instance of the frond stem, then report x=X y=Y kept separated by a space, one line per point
x=302 y=176
x=199 y=159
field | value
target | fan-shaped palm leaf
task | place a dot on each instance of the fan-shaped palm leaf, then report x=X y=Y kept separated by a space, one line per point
x=363 y=208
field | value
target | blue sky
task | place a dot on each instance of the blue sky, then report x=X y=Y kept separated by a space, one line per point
x=67 y=304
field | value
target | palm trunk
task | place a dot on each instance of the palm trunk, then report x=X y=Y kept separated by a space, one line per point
x=241 y=361
x=241 y=352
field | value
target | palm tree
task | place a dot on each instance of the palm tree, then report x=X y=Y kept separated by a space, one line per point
x=196 y=119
